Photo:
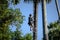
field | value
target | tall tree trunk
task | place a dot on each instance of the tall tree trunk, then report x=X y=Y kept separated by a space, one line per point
x=44 y=18
x=35 y=20
x=57 y=7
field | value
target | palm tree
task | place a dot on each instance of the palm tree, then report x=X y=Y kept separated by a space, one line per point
x=35 y=20
x=35 y=3
x=45 y=30
x=57 y=7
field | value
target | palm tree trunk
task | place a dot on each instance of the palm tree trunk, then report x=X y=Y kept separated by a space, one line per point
x=44 y=18
x=35 y=20
x=57 y=7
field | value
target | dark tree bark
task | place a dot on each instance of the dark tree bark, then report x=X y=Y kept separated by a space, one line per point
x=35 y=20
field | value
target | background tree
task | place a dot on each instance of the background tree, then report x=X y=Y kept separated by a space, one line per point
x=9 y=17
x=28 y=37
x=54 y=31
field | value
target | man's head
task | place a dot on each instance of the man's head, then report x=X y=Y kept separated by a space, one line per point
x=30 y=15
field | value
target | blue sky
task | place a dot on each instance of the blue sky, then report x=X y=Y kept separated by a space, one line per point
x=27 y=8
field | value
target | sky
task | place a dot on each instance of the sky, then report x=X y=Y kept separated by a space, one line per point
x=27 y=8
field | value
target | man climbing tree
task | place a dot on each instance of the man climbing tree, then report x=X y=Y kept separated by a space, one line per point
x=30 y=22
